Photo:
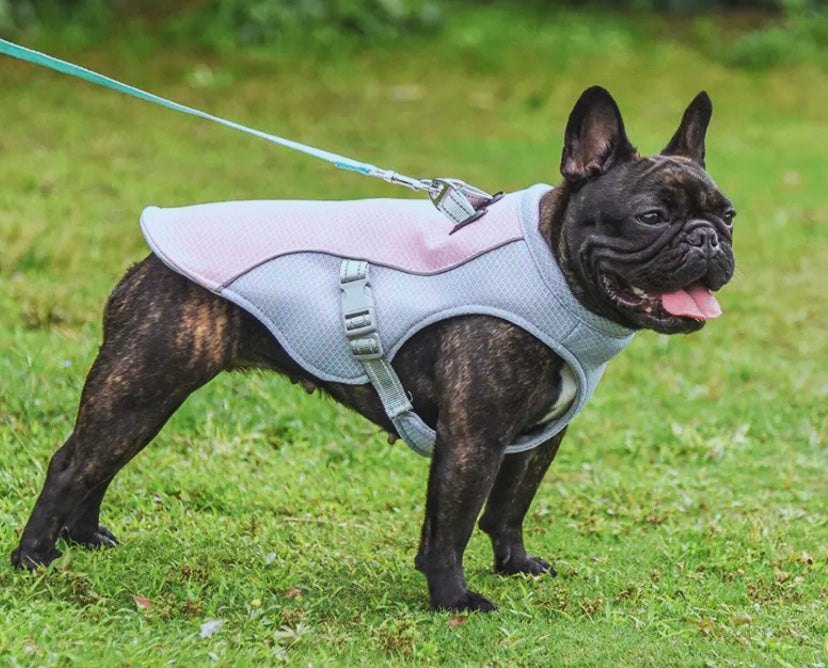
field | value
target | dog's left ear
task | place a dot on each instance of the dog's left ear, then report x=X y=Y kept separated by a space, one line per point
x=689 y=138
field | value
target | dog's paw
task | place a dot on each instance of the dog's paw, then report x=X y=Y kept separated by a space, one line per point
x=469 y=601
x=31 y=560
x=524 y=565
x=101 y=537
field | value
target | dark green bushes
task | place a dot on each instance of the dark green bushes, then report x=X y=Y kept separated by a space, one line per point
x=801 y=37
x=226 y=23
x=222 y=23
x=746 y=33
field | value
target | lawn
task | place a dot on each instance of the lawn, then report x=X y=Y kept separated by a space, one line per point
x=687 y=512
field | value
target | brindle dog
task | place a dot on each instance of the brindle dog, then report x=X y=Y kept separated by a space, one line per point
x=625 y=229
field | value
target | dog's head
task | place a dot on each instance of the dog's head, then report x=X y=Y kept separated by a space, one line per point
x=643 y=241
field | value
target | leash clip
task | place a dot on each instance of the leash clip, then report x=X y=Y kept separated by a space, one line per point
x=479 y=212
x=459 y=202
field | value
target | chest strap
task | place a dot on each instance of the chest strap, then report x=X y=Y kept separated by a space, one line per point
x=359 y=322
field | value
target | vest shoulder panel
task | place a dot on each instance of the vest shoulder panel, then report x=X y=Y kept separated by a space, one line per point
x=218 y=242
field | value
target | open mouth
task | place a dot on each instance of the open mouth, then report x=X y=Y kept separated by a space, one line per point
x=694 y=301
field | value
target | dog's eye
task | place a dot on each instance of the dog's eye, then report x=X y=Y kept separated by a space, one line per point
x=728 y=216
x=651 y=218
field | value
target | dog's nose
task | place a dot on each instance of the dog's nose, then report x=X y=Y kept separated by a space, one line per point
x=703 y=236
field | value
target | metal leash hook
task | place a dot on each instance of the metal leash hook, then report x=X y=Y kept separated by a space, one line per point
x=397 y=179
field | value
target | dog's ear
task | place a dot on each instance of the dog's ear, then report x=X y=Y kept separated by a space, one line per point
x=595 y=139
x=689 y=138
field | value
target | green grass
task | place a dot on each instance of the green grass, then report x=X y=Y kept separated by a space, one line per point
x=687 y=513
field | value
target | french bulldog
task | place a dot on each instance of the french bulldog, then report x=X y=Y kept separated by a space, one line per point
x=642 y=243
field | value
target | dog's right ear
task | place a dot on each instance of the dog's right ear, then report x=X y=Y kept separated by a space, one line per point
x=595 y=139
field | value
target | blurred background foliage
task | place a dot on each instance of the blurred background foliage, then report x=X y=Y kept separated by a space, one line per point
x=751 y=33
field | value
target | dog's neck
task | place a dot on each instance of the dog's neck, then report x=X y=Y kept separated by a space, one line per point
x=553 y=208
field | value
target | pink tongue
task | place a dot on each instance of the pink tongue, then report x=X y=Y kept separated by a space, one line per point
x=695 y=302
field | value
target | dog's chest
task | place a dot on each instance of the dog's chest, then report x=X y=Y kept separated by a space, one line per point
x=566 y=395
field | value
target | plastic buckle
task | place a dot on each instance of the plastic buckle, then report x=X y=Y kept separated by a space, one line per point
x=357 y=306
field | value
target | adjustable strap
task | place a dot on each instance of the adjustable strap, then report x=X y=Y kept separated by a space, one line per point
x=360 y=325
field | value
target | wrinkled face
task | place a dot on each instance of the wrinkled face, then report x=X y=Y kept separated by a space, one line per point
x=644 y=241
x=651 y=240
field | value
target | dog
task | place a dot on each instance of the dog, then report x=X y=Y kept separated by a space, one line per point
x=635 y=242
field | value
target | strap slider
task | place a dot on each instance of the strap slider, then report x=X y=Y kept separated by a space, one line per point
x=366 y=347
x=359 y=322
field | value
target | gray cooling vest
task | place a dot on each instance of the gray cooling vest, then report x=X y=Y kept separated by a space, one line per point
x=418 y=273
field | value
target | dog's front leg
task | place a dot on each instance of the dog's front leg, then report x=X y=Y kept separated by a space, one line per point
x=509 y=501
x=462 y=472
x=489 y=381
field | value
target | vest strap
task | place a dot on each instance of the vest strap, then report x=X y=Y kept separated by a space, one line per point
x=359 y=323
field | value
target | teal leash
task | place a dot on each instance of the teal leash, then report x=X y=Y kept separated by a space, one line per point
x=458 y=200
x=38 y=58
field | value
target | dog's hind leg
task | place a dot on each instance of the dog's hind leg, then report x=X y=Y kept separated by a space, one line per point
x=163 y=338
x=83 y=526
x=509 y=500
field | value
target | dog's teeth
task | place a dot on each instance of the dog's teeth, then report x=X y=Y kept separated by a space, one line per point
x=649 y=309
x=639 y=292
